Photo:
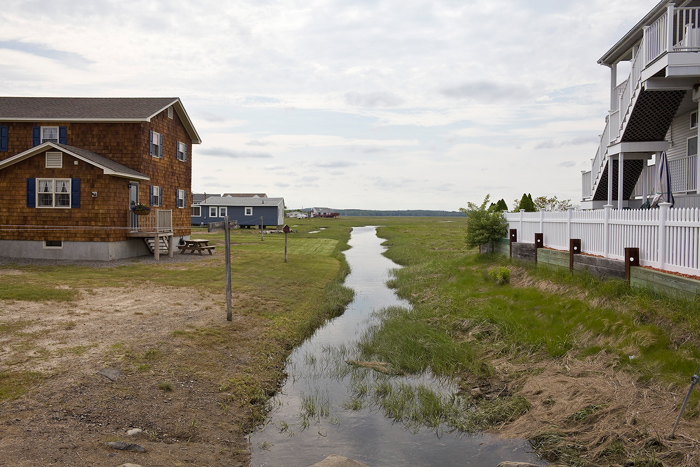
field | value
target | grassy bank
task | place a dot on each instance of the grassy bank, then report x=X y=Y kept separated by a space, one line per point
x=464 y=322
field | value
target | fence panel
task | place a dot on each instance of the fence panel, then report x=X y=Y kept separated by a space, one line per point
x=624 y=228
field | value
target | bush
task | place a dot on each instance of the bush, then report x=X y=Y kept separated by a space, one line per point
x=500 y=274
x=484 y=225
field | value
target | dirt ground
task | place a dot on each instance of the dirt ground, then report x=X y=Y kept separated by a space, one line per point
x=68 y=419
x=188 y=418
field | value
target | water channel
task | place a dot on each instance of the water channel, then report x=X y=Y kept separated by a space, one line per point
x=316 y=414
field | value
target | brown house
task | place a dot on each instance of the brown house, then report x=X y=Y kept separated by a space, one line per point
x=74 y=172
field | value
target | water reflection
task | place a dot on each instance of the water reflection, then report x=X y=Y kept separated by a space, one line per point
x=325 y=407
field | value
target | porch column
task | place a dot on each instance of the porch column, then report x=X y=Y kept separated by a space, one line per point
x=610 y=179
x=697 y=159
x=645 y=189
x=620 y=180
x=613 y=84
x=669 y=27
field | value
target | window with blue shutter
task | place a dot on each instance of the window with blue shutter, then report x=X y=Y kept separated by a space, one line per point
x=160 y=146
x=36 y=136
x=3 y=138
x=31 y=192
x=150 y=144
x=62 y=135
x=150 y=191
x=160 y=196
x=75 y=193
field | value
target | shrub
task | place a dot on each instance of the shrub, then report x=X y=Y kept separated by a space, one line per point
x=484 y=225
x=500 y=274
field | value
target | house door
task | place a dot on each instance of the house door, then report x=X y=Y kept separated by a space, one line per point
x=133 y=201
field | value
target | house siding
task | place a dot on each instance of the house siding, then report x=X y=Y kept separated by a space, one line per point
x=678 y=135
x=125 y=143
x=93 y=212
x=270 y=214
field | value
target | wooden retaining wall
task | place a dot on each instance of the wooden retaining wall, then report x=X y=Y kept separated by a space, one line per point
x=666 y=284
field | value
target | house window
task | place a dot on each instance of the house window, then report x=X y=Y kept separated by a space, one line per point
x=181 y=151
x=212 y=211
x=49 y=134
x=694 y=119
x=54 y=160
x=156 y=196
x=222 y=211
x=181 y=196
x=196 y=211
x=170 y=112
x=55 y=244
x=4 y=137
x=248 y=211
x=693 y=146
x=53 y=193
x=156 y=144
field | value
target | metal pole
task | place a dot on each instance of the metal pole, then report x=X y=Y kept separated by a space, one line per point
x=285 y=247
x=693 y=381
x=261 y=229
x=227 y=241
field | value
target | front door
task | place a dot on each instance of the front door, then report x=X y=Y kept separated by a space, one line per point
x=133 y=201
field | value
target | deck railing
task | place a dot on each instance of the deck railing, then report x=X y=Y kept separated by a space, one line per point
x=586 y=185
x=683 y=173
x=156 y=221
x=682 y=34
x=668 y=239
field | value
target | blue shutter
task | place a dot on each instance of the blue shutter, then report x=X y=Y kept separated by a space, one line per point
x=36 y=136
x=150 y=191
x=75 y=193
x=160 y=146
x=185 y=198
x=150 y=143
x=3 y=138
x=177 y=150
x=31 y=192
x=176 y=199
x=62 y=135
x=185 y=147
x=160 y=195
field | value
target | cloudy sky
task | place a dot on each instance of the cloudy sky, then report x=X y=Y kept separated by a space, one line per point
x=373 y=104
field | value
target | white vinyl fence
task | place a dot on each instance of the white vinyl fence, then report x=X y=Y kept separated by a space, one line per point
x=667 y=238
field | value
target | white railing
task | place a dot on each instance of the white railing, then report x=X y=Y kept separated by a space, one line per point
x=656 y=39
x=686 y=29
x=158 y=220
x=683 y=173
x=668 y=239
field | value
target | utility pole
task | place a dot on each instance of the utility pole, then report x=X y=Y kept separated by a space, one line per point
x=227 y=241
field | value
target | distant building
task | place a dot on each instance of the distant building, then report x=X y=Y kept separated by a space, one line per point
x=298 y=215
x=245 y=195
x=247 y=212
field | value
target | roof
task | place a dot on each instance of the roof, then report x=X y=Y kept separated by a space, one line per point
x=246 y=195
x=92 y=109
x=242 y=202
x=109 y=166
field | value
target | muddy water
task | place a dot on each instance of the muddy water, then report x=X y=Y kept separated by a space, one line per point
x=316 y=413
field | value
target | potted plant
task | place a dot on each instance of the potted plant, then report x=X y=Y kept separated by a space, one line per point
x=140 y=209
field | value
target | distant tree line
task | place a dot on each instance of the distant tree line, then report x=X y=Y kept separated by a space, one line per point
x=392 y=213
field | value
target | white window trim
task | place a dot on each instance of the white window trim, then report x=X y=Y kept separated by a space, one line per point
x=181 y=197
x=170 y=112
x=155 y=141
x=691 y=119
x=155 y=195
x=213 y=211
x=198 y=210
x=53 y=247
x=54 y=160
x=58 y=134
x=53 y=193
x=223 y=211
x=248 y=211
x=182 y=146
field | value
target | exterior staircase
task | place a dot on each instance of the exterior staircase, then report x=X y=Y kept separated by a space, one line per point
x=647 y=118
x=162 y=244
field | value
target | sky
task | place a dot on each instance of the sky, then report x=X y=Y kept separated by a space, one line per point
x=365 y=104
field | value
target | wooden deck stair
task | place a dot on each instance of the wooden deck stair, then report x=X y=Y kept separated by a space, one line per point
x=162 y=243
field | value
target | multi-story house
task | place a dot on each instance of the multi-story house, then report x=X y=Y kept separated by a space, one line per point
x=654 y=110
x=72 y=170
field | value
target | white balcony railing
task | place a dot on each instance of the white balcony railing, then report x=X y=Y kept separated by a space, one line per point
x=683 y=173
x=156 y=221
x=586 y=185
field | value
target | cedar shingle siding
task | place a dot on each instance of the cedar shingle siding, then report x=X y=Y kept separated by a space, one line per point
x=118 y=144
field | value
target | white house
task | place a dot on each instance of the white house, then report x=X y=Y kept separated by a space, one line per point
x=654 y=110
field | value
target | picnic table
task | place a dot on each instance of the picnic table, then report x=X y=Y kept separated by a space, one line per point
x=197 y=245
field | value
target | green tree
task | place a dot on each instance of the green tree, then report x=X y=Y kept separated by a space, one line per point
x=501 y=205
x=552 y=204
x=484 y=225
x=526 y=203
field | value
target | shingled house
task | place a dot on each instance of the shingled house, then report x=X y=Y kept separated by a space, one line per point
x=72 y=170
